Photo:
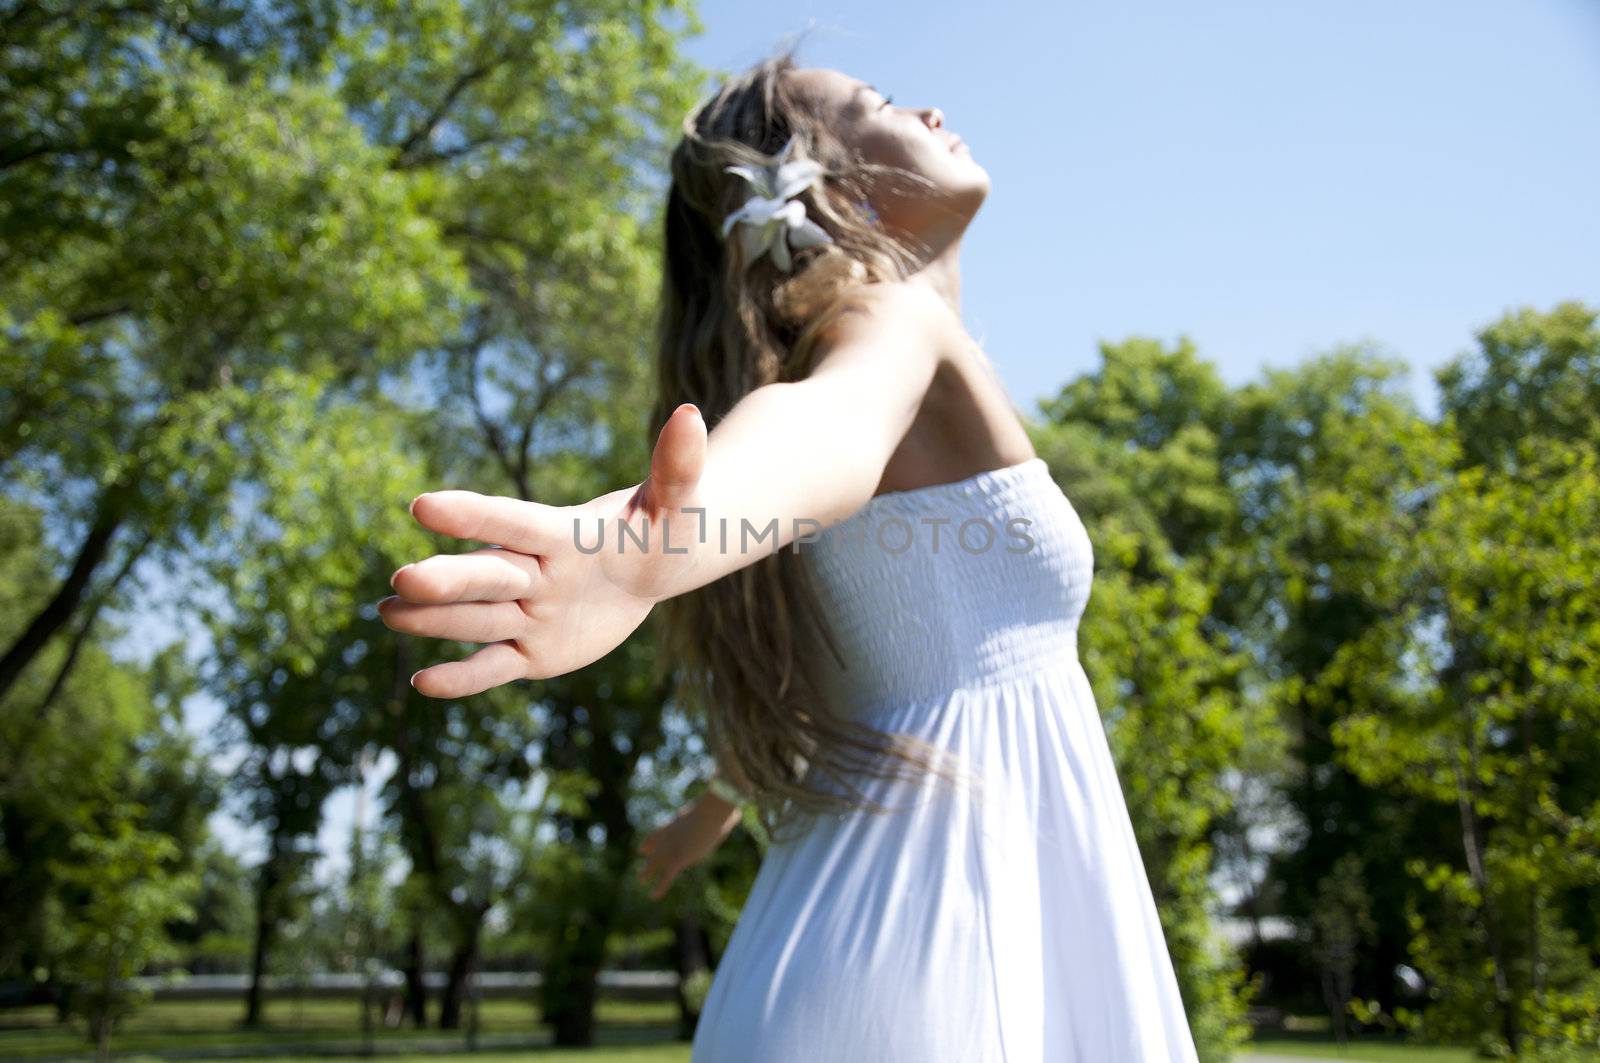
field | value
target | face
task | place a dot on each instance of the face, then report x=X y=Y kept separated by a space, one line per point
x=912 y=138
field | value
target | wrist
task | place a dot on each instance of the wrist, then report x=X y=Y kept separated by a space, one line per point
x=713 y=810
x=723 y=791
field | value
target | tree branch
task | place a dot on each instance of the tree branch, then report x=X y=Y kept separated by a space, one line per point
x=441 y=110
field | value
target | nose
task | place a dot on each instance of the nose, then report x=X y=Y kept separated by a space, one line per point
x=935 y=118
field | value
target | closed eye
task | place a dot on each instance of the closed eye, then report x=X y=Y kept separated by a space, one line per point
x=887 y=100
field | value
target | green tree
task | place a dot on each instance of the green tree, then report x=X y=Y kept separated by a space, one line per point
x=110 y=921
x=1487 y=674
x=1475 y=692
x=1341 y=927
x=540 y=137
x=300 y=663
x=1534 y=375
x=115 y=769
x=1331 y=464
x=179 y=220
x=216 y=940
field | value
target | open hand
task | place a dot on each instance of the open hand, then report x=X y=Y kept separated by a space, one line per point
x=544 y=606
x=686 y=839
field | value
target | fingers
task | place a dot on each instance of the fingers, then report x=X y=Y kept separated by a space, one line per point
x=462 y=621
x=679 y=457
x=489 y=667
x=527 y=527
x=656 y=866
x=662 y=876
x=489 y=575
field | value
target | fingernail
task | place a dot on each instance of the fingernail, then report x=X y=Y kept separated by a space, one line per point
x=412 y=508
x=397 y=572
x=414 y=675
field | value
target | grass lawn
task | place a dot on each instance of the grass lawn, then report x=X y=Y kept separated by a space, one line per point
x=190 y=1025
x=1368 y=1052
x=637 y=1032
x=660 y=1053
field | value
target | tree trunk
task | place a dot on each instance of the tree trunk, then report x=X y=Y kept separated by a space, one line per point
x=463 y=962
x=423 y=846
x=102 y=1038
x=80 y=637
x=416 y=992
x=693 y=955
x=108 y=517
x=571 y=982
x=266 y=932
x=573 y=963
x=100 y=1018
x=1473 y=843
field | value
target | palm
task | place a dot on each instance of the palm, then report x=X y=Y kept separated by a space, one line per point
x=545 y=600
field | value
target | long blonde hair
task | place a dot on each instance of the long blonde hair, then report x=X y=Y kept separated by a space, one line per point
x=744 y=647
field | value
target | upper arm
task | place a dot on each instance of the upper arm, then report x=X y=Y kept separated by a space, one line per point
x=877 y=359
x=815 y=449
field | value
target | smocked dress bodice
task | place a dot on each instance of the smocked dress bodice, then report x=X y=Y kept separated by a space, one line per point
x=952 y=585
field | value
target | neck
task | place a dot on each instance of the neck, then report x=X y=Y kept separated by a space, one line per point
x=942 y=271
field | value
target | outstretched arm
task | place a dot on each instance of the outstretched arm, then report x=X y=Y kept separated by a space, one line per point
x=788 y=460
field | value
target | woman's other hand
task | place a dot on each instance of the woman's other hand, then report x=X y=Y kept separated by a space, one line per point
x=685 y=840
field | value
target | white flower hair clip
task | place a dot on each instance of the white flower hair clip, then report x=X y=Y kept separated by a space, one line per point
x=772 y=220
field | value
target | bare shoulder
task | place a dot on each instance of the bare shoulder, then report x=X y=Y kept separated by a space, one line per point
x=896 y=302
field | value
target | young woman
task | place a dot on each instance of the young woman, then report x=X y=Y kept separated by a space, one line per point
x=872 y=589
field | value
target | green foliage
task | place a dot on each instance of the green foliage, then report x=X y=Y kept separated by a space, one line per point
x=1487 y=674
x=1477 y=691
x=268 y=270
x=95 y=773
x=1330 y=462
x=1307 y=566
x=1535 y=375
x=121 y=888
x=1341 y=925
x=217 y=938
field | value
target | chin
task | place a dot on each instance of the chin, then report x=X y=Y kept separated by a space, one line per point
x=974 y=178
x=975 y=191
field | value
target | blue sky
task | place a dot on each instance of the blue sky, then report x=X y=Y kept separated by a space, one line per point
x=1271 y=179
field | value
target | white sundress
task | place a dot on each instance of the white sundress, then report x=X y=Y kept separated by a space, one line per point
x=1012 y=924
